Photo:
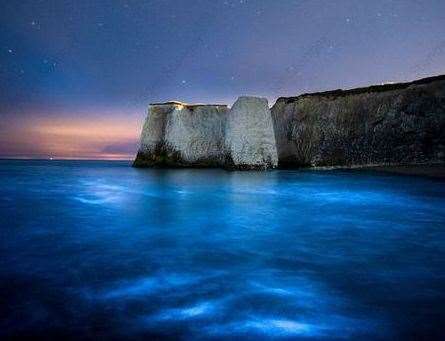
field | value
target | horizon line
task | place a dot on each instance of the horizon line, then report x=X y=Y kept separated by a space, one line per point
x=19 y=158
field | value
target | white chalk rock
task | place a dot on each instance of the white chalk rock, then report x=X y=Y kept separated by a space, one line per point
x=250 y=138
x=197 y=133
x=176 y=134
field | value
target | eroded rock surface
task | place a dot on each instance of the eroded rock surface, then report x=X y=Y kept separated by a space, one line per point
x=250 y=138
x=379 y=125
x=182 y=135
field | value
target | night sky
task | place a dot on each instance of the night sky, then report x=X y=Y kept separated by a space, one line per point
x=76 y=76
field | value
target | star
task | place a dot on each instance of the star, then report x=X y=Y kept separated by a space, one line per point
x=35 y=24
x=348 y=19
x=183 y=81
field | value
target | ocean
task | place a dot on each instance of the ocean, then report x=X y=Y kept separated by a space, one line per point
x=101 y=250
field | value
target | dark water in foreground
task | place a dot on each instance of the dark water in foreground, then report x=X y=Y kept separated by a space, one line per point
x=97 y=249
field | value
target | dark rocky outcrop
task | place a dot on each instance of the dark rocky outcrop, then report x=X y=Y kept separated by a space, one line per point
x=379 y=125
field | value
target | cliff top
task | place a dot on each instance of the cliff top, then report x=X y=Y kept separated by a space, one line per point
x=368 y=89
x=188 y=105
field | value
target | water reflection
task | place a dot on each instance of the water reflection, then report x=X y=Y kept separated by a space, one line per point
x=105 y=249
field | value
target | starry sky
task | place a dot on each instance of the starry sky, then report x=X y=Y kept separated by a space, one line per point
x=77 y=75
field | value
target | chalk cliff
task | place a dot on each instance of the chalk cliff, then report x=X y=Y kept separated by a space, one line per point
x=176 y=134
x=389 y=124
x=183 y=135
x=250 y=139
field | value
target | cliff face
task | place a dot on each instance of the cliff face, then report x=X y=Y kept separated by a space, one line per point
x=379 y=125
x=184 y=135
x=250 y=138
x=181 y=135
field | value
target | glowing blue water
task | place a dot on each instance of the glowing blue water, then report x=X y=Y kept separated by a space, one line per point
x=101 y=249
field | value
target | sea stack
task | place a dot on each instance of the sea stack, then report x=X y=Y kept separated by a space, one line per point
x=250 y=139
